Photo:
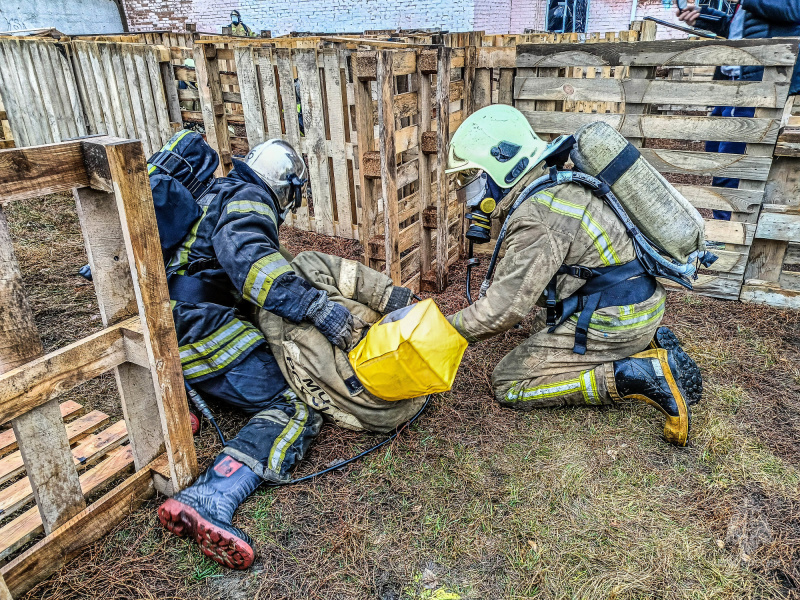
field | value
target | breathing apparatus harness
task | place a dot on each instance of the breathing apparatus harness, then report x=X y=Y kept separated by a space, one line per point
x=630 y=283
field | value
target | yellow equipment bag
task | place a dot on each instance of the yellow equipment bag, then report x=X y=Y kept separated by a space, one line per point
x=411 y=352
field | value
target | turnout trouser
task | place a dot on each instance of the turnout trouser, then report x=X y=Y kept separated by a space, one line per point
x=282 y=428
x=319 y=372
x=543 y=371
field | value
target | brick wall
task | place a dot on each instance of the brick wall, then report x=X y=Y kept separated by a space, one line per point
x=302 y=15
x=491 y=16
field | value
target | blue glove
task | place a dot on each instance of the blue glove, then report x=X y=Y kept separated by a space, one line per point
x=333 y=320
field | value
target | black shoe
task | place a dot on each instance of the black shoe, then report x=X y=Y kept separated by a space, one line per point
x=688 y=373
x=650 y=377
x=205 y=509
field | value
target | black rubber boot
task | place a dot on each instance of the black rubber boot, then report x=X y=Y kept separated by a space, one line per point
x=650 y=377
x=204 y=511
x=688 y=372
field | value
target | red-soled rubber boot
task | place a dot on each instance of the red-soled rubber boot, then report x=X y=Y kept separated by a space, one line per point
x=204 y=511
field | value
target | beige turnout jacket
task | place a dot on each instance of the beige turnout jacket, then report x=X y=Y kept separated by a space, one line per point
x=563 y=225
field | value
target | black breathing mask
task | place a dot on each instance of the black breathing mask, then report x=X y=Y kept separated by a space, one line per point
x=481 y=195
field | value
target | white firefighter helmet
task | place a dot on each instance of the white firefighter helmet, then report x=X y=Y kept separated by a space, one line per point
x=282 y=169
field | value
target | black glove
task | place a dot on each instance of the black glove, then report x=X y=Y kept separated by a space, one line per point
x=333 y=320
x=399 y=298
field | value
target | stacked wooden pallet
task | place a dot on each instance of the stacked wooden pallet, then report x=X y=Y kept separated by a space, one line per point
x=63 y=466
x=668 y=136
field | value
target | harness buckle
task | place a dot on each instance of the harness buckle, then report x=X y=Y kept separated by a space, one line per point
x=580 y=272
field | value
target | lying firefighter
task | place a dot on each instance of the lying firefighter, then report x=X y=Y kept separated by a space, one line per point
x=229 y=255
x=564 y=244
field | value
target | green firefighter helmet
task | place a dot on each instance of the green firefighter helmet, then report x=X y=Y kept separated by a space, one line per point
x=498 y=140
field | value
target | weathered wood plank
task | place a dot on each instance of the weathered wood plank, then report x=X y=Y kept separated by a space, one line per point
x=389 y=184
x=269 y=93
x=336 y=102
x=68 y=409
x=443 y=133
x=49 y=376
x=305 y=61
x=647 y=91
x=777 y=226
x=719 y=129
x=711 y=53
x=709 y=164
x=251 y=99
x=212 y=105
x=771 y=293
x=34 y=171
x=283 y=60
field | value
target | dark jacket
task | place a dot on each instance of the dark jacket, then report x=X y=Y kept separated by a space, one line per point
x=233 y=250
x=762 y=19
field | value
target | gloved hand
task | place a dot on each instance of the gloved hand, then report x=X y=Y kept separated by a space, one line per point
x=399 y=298
x=333 y=320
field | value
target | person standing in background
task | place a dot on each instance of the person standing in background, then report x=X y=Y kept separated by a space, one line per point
x=238 y=28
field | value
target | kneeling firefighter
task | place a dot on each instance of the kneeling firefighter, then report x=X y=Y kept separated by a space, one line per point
x=231 y=257
x=570 y=245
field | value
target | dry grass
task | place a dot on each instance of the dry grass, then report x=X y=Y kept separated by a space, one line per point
x=485 y=502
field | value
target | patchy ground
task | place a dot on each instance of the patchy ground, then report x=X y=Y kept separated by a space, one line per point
x=477 y=501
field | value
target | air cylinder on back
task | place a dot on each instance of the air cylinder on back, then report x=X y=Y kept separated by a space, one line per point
x=655 y=206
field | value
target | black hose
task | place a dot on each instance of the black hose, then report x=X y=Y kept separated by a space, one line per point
x=470 y=265
x=201 y=405
x=340 y=465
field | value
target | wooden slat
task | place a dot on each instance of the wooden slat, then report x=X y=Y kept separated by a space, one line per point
x=720 y=129
x=34 y=171
x=779 y=226
x=8 y=441
x=159 y=98
x=140 y=117
x=647 y=91
x=210 y=86
x=771 y=293
x=51 y=375
x=17 y=495
x=426 y=163
x=251 y=99
x=10 y=85
x=708 y=164
x=389 y=183
x=25 y=527
x=269 y=93
x=441 y=196
x=336 y=101
x=717 y=198
x=712 y=53
x=305 y=61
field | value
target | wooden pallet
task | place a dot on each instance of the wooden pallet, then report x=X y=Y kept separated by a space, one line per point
x=55 y=463
x=643 y=91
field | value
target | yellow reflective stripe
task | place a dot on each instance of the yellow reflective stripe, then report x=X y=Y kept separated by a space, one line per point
x=181 y=256
x=218 y=350
x=548 y=390
x=600 y=238
x=589 y=387
x=211 y=343
x=625 y=321
x=262 y=275
x=170 y=145
x=288 y=436
x=246 y=206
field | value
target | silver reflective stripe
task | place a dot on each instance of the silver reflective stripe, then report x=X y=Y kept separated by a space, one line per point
x=220 y=360
x=288 y=436
x=545 y=391
x=226 y=332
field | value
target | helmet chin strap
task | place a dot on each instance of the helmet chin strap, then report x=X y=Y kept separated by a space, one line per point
x=295 y=195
